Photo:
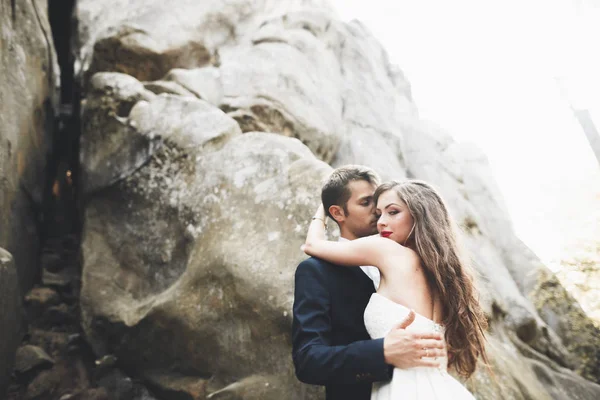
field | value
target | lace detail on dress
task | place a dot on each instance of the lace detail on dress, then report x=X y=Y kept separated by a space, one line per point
x=382 y=314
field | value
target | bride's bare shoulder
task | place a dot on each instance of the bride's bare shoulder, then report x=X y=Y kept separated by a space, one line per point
x=399 y=249
x=404 y=258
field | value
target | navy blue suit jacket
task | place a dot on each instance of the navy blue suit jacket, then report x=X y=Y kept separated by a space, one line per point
x=331 y=346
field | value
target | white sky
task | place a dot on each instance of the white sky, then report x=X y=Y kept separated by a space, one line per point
x=485 y=71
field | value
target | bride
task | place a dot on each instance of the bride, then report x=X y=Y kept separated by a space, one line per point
x=422 y=270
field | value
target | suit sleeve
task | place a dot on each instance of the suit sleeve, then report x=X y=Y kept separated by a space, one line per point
x=316 y=360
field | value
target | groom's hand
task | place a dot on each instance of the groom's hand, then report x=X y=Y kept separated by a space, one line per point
x=404 y=349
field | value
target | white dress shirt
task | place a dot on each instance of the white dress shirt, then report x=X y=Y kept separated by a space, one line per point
x=371 y=271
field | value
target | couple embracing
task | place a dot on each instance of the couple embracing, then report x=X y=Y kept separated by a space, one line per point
x=391 y=328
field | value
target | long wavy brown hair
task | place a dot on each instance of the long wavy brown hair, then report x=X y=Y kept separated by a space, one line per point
x=447 y=271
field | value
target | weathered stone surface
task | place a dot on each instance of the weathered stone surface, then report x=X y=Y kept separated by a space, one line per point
x=89 y=394
x=148 y=40
x=53 y=343
x=59 y=315
x=169 y=87
x=189 y=255
x=28 y=100
x=277 y=53
x=40 y=298
x=178 y=386
x=10 y=317
x=32 y=358
x=252 y=388
x=210 y=298
x=121 y=132
x=118 y=386
x=192 y=124
x=269 y=81
x=204 y=83
x=43 y=385
x=58 y=280
x=111 y=148
x=565 y=317
x=68 y=373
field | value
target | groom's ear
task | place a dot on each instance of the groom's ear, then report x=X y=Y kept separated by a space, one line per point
x=337 y=213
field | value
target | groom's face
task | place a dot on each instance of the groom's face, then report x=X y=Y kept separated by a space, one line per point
x=360 y=219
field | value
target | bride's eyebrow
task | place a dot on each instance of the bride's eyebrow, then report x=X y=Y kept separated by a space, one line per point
x=386 y=207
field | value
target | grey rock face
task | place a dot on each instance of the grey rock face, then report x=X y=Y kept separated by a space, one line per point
x=10 y=317
x=204 y=83
x=111 y=149
x=193 y=262
x=28 y=100
x=122 y=132
x=191 y=245
x=31 y=358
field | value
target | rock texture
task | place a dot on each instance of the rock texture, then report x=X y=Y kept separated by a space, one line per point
x=206 y=138
x=28 y=98
x=30 y=358
x=10 y=316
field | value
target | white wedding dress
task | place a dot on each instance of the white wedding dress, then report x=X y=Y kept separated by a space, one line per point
x=420 y=383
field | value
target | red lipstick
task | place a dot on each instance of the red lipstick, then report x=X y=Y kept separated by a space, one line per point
x=385 y=233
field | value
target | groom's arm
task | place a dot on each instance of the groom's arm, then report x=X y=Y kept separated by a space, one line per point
x=316 y=360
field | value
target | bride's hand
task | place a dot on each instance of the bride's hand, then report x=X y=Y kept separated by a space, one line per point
x=316 y=228
x=320 y=215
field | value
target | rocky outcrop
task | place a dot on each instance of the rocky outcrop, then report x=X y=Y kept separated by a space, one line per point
x=205 y=140
x=28 y=99
x=193 y=261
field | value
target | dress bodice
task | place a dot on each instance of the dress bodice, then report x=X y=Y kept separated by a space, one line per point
x=418 y=383
x=382 y=314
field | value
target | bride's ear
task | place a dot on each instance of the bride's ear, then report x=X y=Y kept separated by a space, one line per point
x=337 y=213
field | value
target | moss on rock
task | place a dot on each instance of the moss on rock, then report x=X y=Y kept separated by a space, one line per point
x=564 y=315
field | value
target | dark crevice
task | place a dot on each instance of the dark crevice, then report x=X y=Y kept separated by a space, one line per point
x=62 y=24
x=62 y=216
x=52 y=307
x=13 y=9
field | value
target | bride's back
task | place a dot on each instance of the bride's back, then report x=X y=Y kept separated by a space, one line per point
x=405 y=283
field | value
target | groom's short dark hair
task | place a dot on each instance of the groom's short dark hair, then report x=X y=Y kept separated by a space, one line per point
x=336 y=191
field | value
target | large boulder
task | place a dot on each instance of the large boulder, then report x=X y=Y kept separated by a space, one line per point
x=147 y=40
x=192 y=228
x=194 y=295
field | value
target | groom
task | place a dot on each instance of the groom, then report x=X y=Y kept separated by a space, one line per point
x=331 y=346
